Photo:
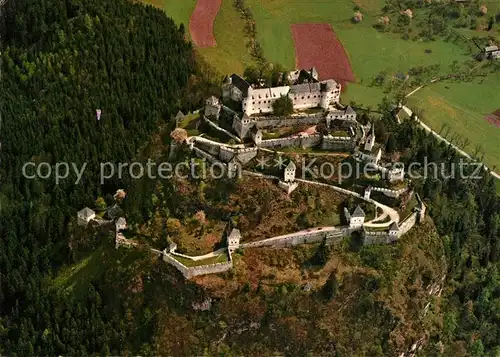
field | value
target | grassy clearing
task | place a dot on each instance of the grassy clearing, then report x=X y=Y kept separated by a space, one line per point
x=179 y=10
x=222 y=258
x=81 y=273
x=231 y=53
x=462 y=107
x=188 y=120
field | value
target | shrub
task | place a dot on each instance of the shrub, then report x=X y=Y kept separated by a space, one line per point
x=358 y=17
x=283 y=106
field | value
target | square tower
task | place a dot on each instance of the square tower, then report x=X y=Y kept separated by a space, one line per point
x=290 y=172
x=233 y=239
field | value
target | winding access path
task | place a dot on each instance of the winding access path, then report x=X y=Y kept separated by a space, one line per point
x=388 y=211
x=439 y=137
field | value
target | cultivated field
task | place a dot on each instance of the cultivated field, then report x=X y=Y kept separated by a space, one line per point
x=317 y=46
x=463 y=107
x=201 y=22
x=368 y=50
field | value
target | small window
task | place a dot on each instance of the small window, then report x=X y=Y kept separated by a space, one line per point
x=302 y=97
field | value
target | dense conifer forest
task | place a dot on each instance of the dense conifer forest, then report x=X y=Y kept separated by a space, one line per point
x=62 y=60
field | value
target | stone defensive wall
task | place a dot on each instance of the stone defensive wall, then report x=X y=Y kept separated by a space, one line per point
x=408 y=223
x=336 y=188
x=344 y=143
x=157 y=253
x=256 y=174
x=225 y=153
x=222 y=130
x=200 y=257
x=314 y=235
x=215 y=144
x=190 y=272
x=208 y=147
x=205 y=155
x=295 y=140
x=371 y=237
x=276 y=122
x=242 y=154
x=390 y=193
x=382 y=237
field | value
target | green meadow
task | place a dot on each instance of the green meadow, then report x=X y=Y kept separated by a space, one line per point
x=462 y=107
x=369 y=50
x=231 y=53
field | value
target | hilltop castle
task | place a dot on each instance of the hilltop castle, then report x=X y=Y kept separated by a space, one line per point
x=306 y=92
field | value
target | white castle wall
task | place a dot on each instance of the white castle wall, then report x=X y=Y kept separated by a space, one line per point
x=304 y=237
x=382 y=237
x=389 y=192
x=262 y=99
x=245 y=155
x=209 y=147
x=408 y=223
x=190 y=272
x=218 y=128
x=277 y=122
x=296 y=140
x=375 y=237
x=205 y=155
x=338 y=143
x=226 y=154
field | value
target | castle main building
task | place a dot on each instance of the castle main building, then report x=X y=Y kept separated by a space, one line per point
x=309 y=94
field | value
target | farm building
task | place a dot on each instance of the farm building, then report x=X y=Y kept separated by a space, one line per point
x=492 y=52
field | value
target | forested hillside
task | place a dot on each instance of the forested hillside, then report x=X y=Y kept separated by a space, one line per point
x=62 y=60
x=466 y=212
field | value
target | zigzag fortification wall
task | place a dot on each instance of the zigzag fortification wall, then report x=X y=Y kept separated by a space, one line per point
x=190 y=272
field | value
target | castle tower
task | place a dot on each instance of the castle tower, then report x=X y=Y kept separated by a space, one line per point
x=370 y=141
x=247 y=102
x=85 y=216
x=242 y=125
x=233 y=240
x=120 y=224
x=212 y=107
x=393 y=233
x=357 y=218
x=226 y=88
x=234 y=168
x=330 y=92
x=256 y=135
x=290 y=172
x=368 y=192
